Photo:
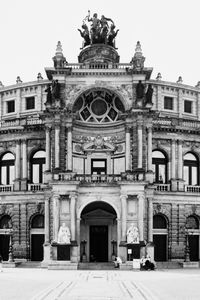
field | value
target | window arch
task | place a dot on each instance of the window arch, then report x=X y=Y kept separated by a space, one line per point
x=7 y=166
x=5 y=222
x=192 y=222
x=159 y=165
x=37 y=221
x=37 y=166
x=159 y=221
x=191 y=169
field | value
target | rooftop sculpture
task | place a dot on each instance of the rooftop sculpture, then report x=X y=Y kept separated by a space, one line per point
x=98 y=31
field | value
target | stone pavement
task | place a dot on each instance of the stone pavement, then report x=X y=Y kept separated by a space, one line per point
x=41 y=284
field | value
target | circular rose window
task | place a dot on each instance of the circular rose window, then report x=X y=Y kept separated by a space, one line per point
x=99 y=107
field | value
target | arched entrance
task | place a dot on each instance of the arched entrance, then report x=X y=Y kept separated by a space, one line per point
x=98 y=232
x=37 y=237
x=192 y=226
x=5 y=226
x=160 y=235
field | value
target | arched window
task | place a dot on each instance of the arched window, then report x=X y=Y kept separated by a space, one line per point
x=159 y=165
x=192 y=222
x=37 y=167
x=7 y=172
x=159 y=222
x=5 y=222
x=37 y=221
x=191 y=169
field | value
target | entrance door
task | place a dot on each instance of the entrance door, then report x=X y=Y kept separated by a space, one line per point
x=160 y=250
x=37 y=241
x=194 y=247
x=98 y=243
x=4 y=246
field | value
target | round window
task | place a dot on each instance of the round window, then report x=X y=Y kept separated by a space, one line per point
x=99 y=107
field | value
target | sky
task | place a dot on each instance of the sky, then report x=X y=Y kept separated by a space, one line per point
x=168 y=31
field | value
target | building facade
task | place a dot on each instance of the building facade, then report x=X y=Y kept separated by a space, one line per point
x=98 y=147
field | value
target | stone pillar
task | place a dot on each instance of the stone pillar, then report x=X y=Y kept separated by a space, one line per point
x=48 y=148
x=173 y=161
x=141 y=199
x=73 y=215
x=149 y=148
x=140 y=146
x=180 y=166
x=56 y=217
x=57 y=146
x=24 y=166
x=128 y=148
x=46 y=218
x=124 y=215
x=17 y=166
x=69 y=147
x=150 y=220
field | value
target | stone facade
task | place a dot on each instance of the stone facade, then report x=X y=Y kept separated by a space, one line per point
x=100 y=133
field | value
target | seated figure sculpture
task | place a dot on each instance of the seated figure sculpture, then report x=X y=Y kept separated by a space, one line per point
x=132 y=235
x=64 y=234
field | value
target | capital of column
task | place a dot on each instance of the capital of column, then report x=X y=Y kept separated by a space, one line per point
x=149 y=128
x=123 y=197
x=48 y=128
x=140 y=197
x=73 y=196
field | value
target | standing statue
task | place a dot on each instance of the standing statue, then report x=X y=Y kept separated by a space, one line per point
x=95 y=28
x=132 y=235
x=64 y=234
x=111 y=35
x=149 y=95
x=104 y=28
x=49 y=95
x=140 y=90
x=55 y=89
x=85 y=35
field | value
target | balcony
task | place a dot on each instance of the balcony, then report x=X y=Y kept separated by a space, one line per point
x=161 y=187
x=192 y=188
x=6 y=188
x=99 y=179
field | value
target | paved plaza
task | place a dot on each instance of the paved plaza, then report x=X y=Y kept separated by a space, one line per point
x=42 y=284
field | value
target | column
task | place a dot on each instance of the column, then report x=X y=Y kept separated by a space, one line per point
x=124 y=215
x=72 y=215
x=149 y=148
x=141 y=199
x=69 y=148
x=180 y=160
x=57 y=146
x=24 y=159
x=139 y=135
x=46 y=218
x=17 y=161
x=128 y=148
x=173 y=161
x=48 y=148
x=56 y=217
x=150 y=220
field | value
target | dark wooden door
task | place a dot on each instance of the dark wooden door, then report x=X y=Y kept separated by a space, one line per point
x=37 y=241
x=98 y=243
x=194 y=247
x=160 y=250
x=4 y=246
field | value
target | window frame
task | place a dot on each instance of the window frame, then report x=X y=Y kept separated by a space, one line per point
x=172 y=103
x=157 y=161
x=191 y=164
x=37 y=161
x=8 y=103
x=27 y=100
x=191 y=106
x=6 y=163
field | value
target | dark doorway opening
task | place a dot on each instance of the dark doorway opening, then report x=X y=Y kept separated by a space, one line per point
x=160 y=250
x=37 y=241
x=98 y=243
x=194 y=247
x=98 y=166
x=4 y=246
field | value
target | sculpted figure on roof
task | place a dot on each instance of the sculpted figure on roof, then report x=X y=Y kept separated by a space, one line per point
x=98 y=31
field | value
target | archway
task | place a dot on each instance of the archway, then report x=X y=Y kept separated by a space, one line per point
x=192 y=226
x=160 y=235
x=37 y=237
x=5 y=226
x=98 y=232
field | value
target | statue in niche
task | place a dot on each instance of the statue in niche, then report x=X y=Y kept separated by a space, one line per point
x=149 y=95
x=64 y=234
x=49 y=95
x=55 y=89
x=132 y=235
x=140 y=90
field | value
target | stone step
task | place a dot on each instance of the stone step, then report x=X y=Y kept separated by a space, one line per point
x=96 y=266
x=29 y=264
x=62 y=265
x=168 y=265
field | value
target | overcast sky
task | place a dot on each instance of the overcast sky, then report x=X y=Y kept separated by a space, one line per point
x=167 y=29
